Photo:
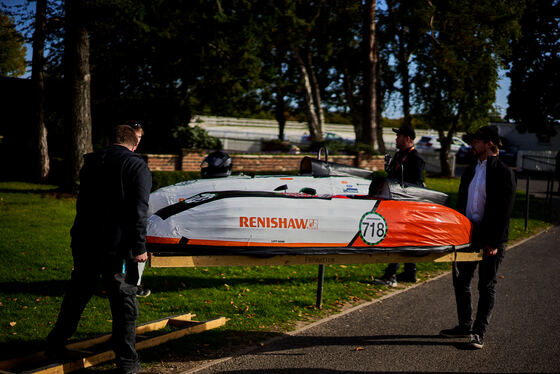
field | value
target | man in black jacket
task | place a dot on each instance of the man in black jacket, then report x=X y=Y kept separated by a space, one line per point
x=486 y=197
x=405 y=166
x=108 y=240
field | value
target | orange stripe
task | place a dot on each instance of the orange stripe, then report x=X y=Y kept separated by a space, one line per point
x=160 y=240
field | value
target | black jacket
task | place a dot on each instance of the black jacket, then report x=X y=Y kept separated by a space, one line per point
x=112 y=205
x=500 y=196
x=411 y=170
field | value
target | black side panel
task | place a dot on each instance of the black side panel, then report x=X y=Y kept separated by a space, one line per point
x=205 y=197
x=391 y=189
x=320 y=168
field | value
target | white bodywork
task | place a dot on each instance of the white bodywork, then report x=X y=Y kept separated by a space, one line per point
x=335 y=185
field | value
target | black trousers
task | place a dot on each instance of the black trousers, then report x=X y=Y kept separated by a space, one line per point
x=463 y=274
x=120 y=281
x=391 y=269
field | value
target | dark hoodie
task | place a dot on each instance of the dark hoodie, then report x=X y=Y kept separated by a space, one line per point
x=112 y=205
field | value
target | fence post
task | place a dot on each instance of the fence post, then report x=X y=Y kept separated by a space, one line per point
x=320 y=280
x=527 y=197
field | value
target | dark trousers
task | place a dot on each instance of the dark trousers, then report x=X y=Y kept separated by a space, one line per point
x=391 y=269
x=463 y=274
x=121 y=289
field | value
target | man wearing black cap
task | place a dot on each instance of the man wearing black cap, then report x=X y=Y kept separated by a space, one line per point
x=406 y=166
x=486 y=197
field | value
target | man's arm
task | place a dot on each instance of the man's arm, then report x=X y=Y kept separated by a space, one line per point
x=500 y=208
x=141 y=183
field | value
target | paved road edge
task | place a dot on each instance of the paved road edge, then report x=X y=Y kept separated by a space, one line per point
x=344 y=312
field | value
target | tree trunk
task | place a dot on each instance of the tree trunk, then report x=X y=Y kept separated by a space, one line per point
x=314 y=124
x=405 y=90
x=78 y=79
x=379 y=109
x=279 y=113
x=355 y=116
x=38 y=79
x=369 y=88
x=315 y=89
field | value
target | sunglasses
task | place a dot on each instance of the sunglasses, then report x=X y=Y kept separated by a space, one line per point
x=135 y=125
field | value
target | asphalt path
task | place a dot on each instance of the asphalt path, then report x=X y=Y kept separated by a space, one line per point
x=399 y=333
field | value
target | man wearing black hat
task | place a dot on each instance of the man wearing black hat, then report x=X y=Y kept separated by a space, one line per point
x=406 y=166
x=486 y=197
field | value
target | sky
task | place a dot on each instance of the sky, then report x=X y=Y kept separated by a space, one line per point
x=392 y=111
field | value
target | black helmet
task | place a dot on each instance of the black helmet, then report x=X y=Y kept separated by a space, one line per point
x=216 y=164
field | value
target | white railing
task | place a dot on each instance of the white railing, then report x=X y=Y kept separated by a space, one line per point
x=536 y=161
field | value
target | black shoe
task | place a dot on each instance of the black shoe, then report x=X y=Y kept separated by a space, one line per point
x=389 y=282
x=456 y=332
x=143 y=292
x=407 y=278
x=476 y=341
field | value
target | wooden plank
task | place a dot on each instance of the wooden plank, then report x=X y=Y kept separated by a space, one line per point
x=160 y=324
x=183 y=320
x=140 y=329
x=160 y=261
x=197 y=328
x=75 y=365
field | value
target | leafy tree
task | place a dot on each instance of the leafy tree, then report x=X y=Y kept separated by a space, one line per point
x=163 y=62
x=300 y=23
x=457 y=65
x=12 y=49
x=403 y=25
x=535 y=70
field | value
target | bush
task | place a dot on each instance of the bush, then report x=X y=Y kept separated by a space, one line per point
x=167 y=178
x=195 y=137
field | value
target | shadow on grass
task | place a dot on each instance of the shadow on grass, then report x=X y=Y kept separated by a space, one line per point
x=156 y=283
x=44 y=288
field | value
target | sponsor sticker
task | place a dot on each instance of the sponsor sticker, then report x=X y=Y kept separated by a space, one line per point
x=350 y=189
x=373 y=228
x=279 y=223
x=198 y=198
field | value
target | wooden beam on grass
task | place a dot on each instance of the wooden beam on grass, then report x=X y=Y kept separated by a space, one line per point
x=183 y=323
x=168 y=261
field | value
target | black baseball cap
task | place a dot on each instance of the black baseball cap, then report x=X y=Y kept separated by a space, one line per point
x=406 y=130
x=487 y=134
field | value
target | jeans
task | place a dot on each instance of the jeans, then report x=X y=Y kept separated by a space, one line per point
x=121 y=289
x=463 y=274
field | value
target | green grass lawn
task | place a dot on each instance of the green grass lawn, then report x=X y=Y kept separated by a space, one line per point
x=259 y=301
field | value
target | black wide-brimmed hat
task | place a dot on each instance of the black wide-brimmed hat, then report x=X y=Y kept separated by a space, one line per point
x=487 y=134
x=406 y=130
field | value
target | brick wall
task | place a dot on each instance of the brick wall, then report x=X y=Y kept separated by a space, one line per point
x=190 y=161
x=163 y=162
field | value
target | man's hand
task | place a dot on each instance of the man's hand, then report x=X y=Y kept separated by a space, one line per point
x=141 y=258
x=490 y=251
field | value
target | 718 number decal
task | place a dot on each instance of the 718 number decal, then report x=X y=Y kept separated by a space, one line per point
x=373 y=228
